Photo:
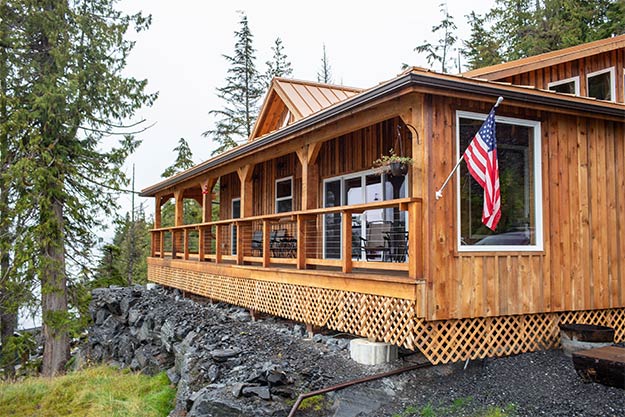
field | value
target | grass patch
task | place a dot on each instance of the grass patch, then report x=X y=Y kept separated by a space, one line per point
x=98 y=391
x=459 y=405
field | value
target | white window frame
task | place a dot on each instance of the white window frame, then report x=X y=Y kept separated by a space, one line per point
x=343 y=178
x=612 y=72
x=575 y=81
x=233 y=243
x=275 y=193
x=538 y=193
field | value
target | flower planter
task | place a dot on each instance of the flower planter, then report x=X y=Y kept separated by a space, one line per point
x=398 y=169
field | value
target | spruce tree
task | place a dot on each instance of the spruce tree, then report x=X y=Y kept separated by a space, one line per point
x=441 y=51
x=279 y=66
x=192 y=211
x=481 y=49
x=240 y=94
x=69 y=95
x=325 y=72
x=183 y=161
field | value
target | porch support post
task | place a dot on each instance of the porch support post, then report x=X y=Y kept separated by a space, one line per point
x=415 y=117
x=307 y=156
x=157 y=211
x=218 y=238
x=301 y=241
x=346 y=245
x=245 y=176
x=207 y=199
x=239 y=242
x=200 y=243
x=185 y=245
x=179 y=208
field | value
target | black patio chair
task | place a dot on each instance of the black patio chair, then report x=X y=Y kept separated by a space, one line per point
x=257 y=242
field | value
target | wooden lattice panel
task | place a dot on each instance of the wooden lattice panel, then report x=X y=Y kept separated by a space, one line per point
x=390 y=319
x=383 y=318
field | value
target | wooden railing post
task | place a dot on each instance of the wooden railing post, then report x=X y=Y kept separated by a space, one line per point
x=161 y=237
x=301 y=241
x=266 y=243
x=346 y=244
x=239 y=242
x=218 y=238
x=185 y=244
x=153 y=242
x=415 y=242
x=200 y=243
x=173 y=244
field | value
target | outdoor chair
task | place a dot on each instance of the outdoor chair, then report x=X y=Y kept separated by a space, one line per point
x=257 y=243
x=397 y=242
x=374 y=245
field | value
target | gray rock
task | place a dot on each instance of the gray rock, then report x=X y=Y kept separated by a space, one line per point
x=317 y=338
x=173 y=375
x=100 y=316
x=206 y=407
x=237 y=388
x=213 y=373
x=299 y=330
x=353 y=402
x=259 y=391
x=276 y=377
x=221 y=355
x=167 y=334
x=134 y=317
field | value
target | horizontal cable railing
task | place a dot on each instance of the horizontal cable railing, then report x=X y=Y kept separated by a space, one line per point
x=381 y=235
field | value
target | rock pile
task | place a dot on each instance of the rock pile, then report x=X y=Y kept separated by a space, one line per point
x=222 y=362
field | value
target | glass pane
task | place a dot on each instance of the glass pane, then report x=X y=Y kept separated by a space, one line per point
x=236 y=209
x=332 y=222
x=353 y=195
x=285 y=205
x=599 y=86
x=283 y=188
x=516 y=167
x=568 y=88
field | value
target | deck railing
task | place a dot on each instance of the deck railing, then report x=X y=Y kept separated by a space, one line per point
x=306 y=239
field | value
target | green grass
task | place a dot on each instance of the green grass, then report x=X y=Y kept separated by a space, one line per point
x=94 y=392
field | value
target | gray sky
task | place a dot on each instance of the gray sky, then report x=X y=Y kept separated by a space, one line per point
x=181 y=56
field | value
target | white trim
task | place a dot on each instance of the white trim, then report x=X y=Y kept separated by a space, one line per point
x=233 y=243
x=275 y=192
x=538 y=201
x=612 y=72
x=575 y=81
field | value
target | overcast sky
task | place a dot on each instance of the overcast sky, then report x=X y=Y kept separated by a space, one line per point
x=181 y=56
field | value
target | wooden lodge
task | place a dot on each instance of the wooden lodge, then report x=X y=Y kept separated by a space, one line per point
x=308 y=231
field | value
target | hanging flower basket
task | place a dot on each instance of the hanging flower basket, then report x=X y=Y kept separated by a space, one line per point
x=395 y=164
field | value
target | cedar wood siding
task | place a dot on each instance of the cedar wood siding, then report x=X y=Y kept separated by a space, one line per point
x=582 y=266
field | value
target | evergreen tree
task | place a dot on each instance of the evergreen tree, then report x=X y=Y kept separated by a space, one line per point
x=240 y=94
x=183 y=161
x=192 y=210
x=325 y=73
x=515 y=29
x=279 y=66
x=442 y=50
x=70 y=93
x=481 y=49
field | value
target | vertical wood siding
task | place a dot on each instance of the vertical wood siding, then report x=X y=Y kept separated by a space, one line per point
x=583 y=263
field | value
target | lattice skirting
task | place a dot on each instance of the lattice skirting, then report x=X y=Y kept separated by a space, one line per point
x=389 y=319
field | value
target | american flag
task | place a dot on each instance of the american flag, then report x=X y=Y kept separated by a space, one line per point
x=481 y=159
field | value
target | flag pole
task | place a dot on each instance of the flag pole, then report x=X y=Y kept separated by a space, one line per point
x=439 y=193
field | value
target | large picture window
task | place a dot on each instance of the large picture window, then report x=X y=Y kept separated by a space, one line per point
x=518 y=154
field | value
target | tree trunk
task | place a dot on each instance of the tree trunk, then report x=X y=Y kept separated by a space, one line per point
x=54 y=299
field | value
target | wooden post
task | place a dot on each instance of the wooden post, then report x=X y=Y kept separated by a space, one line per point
x=161 y=236
x=245 y=177
x=415 y=244
x=207 y=199
x=310 y=192
x=301 y=242
x=200 y=243
x=173 y=244
x=266 y=243
x=218 y=238
x=346 y=244
x=185 y=245
x=239 y=242
x=179 y=211
x=157 y=211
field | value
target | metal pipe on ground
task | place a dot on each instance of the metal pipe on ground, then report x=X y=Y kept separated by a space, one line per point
x=357 y=381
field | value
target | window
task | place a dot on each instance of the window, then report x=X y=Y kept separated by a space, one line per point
x=518 y=154
x=359 y=188
x=568 y=86
x=284 y=195
x=236 y=213
x=600 y=85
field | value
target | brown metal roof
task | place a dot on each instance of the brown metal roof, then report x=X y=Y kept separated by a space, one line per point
x=507 y=69
x=300 y=99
